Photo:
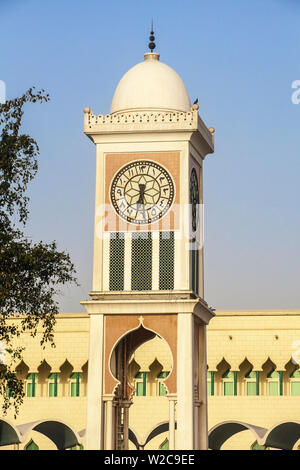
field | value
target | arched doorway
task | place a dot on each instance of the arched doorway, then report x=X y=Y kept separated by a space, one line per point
x=124 y=391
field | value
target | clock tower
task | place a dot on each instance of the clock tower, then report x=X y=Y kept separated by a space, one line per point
x=148 y=254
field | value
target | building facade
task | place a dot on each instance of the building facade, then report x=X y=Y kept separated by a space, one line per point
x=253 y=377
x=137 y=371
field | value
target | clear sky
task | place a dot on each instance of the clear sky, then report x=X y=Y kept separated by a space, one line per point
x=239 y=57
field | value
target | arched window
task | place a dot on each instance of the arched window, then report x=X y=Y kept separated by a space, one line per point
x=273 y=383
x=32 y=446
x=75 y=380
x=228 y=383
x=31 y=385
x=162 y=391
x=140 y=384
x=164 y=445
x=53 y=385
x=295 y=383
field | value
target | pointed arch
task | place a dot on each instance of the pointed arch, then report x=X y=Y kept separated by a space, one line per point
x=9 y=434
x=60 y=433
x=282 y=436
x=221 y=432
x=31 y=446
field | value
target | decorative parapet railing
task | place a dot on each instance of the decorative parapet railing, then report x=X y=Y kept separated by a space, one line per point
x=144 y=121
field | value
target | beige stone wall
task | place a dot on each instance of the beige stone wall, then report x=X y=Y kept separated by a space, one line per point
x=258 y=337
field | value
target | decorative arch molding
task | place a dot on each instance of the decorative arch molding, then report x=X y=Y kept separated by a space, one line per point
x=9 y=434
x=283 y=436
x=258 y=363
x=60 y=433
x=118 y=327
x=158 y=429
x=220 y=433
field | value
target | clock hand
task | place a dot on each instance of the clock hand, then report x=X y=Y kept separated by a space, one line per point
x=142 y=195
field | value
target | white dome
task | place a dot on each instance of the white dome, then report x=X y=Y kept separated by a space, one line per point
x=151 y=85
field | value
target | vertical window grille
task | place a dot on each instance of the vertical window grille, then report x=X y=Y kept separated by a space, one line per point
x=116 y=261
x=166 y=260
x=141 y=261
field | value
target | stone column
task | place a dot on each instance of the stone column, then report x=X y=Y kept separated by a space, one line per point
x=126 y=425
x=94 y=421
x=172 y=401
x=197 y=425
x=185 y=382
x=203 y=421
x=109 y=423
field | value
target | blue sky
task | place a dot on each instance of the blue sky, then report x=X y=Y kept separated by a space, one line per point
x=239 y=57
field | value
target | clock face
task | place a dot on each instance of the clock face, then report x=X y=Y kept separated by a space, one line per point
x=194 y=198
x=142 y=192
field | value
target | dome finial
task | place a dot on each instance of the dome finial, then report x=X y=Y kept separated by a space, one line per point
x=151 y=44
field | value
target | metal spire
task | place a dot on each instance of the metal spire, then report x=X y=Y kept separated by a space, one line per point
x=151 y=44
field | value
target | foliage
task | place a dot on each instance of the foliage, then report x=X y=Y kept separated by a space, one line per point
x=30 y=273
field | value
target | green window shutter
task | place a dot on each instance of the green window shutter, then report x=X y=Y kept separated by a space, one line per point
x=77 y=384
x=166 y=260
x=55 y=384
x=251 y=388
x=281 y=383
x=139 y=389
x=51 y=389
x=162 y=390
x=235 y=383
x=295 y=388
x=144 y=384
x=228 y=388
x=273 y=389
x=212 y=382
x=29 y=389
x=209 y=388
x=116 y=261
x=141 y=261
x=33 y=385
x=73 y=389
x=257 y=382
